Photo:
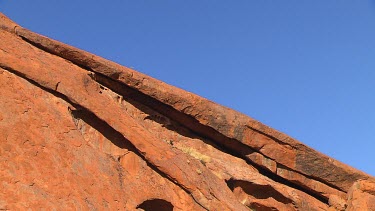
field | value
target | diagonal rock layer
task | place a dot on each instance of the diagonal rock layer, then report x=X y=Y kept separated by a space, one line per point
x=80 y=132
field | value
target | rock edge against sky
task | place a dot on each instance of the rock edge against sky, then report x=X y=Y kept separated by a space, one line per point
x=82 y=132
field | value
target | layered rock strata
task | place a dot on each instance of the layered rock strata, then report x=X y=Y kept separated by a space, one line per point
x=81 y=132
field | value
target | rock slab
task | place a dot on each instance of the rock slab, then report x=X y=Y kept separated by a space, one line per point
x=81 y=132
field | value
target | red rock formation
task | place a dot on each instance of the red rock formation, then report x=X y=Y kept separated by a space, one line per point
x=81 y=132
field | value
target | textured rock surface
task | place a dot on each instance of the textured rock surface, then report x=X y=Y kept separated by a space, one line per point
x=80 y=132
x=361 y=196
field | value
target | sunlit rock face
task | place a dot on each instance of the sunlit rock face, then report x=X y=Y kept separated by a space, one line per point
x=78 y=132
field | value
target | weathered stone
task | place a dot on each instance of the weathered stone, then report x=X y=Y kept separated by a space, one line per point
x=262 y=161
x=313 y=185
x=337 y=203
x=361 y=196
x=80 y=132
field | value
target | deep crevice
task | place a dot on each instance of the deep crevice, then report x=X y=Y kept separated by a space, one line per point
x=156 y=205
x=286 y=182
x=261 y=207
x=103 y=128
x=258 y=191
x=51 y=91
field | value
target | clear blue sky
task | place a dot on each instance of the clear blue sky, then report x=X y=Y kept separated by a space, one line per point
x=306 y=68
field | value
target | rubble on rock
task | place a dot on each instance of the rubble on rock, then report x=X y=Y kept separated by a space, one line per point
x=81 y=132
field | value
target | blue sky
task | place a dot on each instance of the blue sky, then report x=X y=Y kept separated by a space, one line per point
x=305 y=68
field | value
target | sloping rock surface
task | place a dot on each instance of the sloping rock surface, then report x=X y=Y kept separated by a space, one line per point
x=81 y=132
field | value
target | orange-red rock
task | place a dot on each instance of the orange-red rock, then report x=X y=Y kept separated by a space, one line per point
x=361 y=196
x=80 y=132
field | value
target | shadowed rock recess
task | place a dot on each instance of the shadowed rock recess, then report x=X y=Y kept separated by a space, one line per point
x=79 y=132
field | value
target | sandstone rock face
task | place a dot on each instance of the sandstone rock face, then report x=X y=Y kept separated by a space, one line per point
x=361 y=196
x=81 y=132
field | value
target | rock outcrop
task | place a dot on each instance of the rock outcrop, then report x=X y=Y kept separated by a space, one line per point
x=81 y=132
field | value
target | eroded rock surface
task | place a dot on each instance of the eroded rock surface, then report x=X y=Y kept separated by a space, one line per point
x=80 y=132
